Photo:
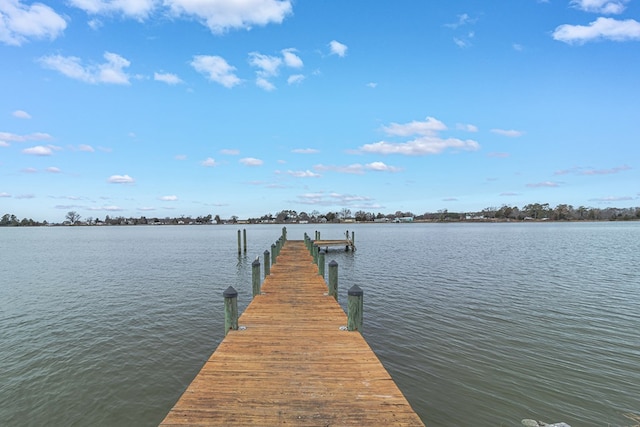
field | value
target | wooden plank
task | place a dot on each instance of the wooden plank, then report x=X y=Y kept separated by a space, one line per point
x=293 y=364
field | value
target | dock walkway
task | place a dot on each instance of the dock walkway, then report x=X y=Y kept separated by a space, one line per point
x=293 y=364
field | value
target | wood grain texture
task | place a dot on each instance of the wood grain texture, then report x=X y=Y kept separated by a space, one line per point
x=293 y=365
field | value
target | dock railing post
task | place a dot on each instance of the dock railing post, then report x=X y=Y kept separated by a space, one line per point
x=355 y=308
x=333 y=279
x=239 y=243
x=315 y=254
x=273 y=253
x=255 y=277
x=321 y=264
x=267 y=264
x=230 y=309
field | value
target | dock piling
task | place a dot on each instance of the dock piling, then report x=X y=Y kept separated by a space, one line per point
x=239 y=243
x=230 y=309
x=244 y=236
x=267 y=264
x=355 y=308
x=333 y=279
x=255 y=276
x=321 y=264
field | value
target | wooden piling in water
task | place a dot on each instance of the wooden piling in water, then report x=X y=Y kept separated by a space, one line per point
x=321 y=264
x=244 y=236
x=255 y=277
x=230 y=309
x=267 y=264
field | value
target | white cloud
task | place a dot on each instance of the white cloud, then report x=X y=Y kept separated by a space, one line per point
x=230 y=152
x=372 y=85
x=168 y=78
x=120 y=179
x=303 y=174
x=111 y=72
x=337 y=199
x=19 y=22
x=609 y=7
x=338 y=48
x=86 y=148
x=291 y=59
x=428 y=127
x=305 y=151
x=509 y=133
x=3 y=143
x=38 y=150
x=426 y=141
x=611 y=199
x=268 y=65
x=53 y=169
x=357 y=168
x=463 y=19
x=250 y=161
x=216 y=69
x=30 y=170
x=467 y=127
x=37 y=136
x=20 y=114
x=138 y=9
x=295 y=79
x=548 y=184
x=222 y=15
x=5 y=195
x=600 y=29
x=265 y=84
x=172 y=198
x=381 y=167
x=209 y=162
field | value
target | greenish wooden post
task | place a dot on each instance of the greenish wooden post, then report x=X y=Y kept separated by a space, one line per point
x=321 y=264
x=267 y=264
x=273 y=253
x=284 y=233
x=315 y=254
x=239 y=241
x=353 y=238
x=255 y=277
x=230 y=309
x=333 y=279
x=355 y=308
x=244 y=236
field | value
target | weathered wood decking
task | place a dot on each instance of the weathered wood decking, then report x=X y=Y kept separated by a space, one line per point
x=293 y=365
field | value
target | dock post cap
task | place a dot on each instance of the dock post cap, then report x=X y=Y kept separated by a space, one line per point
x=333 y=263
x=230 y=292
x=255 y=262
x=355 y=291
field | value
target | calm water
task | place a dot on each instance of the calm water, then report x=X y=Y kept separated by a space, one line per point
x=479 y=324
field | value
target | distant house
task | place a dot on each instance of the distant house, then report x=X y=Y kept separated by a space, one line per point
x=404 y=219
x=381 y=220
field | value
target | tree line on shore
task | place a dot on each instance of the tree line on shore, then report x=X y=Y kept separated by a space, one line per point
x=530 y=212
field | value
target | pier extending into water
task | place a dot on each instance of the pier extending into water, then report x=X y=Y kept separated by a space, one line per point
x=293 y=358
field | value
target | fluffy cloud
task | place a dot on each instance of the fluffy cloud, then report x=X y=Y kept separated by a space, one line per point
x=508 y=132
x=110 y=72
x=305 y=151
x=357 y=168
x=20 y=114
x=19 y=22
x=222 y=15
x=291 y=59
x=303 y=174
x=250 y=161
x=268 y=65
x=120 y=179
x=40 y=150
x=337 y=199
x=549 y=184
x=426 y=140
x=37 y=136
x=168 y=78
x=172 y=198
x=209 y=163
x=609 y=7
x=338 y=48
x=138 y=9
x=295 y=79
x=600 y=29
x=216 y=69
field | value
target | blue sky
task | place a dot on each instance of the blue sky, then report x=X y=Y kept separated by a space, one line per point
x=192 y=107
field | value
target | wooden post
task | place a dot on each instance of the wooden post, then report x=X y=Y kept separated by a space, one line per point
x=353 y=239
x=244 y=235
x=267 y=264
x=230 y=309
x=321 y=264
x=284 y=233
x=315 y=254
x=273 y=253
x=239 y=241
x=355 y=307
x=255 y=277
x=333 y=279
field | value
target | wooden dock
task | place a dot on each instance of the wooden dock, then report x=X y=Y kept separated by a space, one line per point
x=346 y=243
x=292 y=363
